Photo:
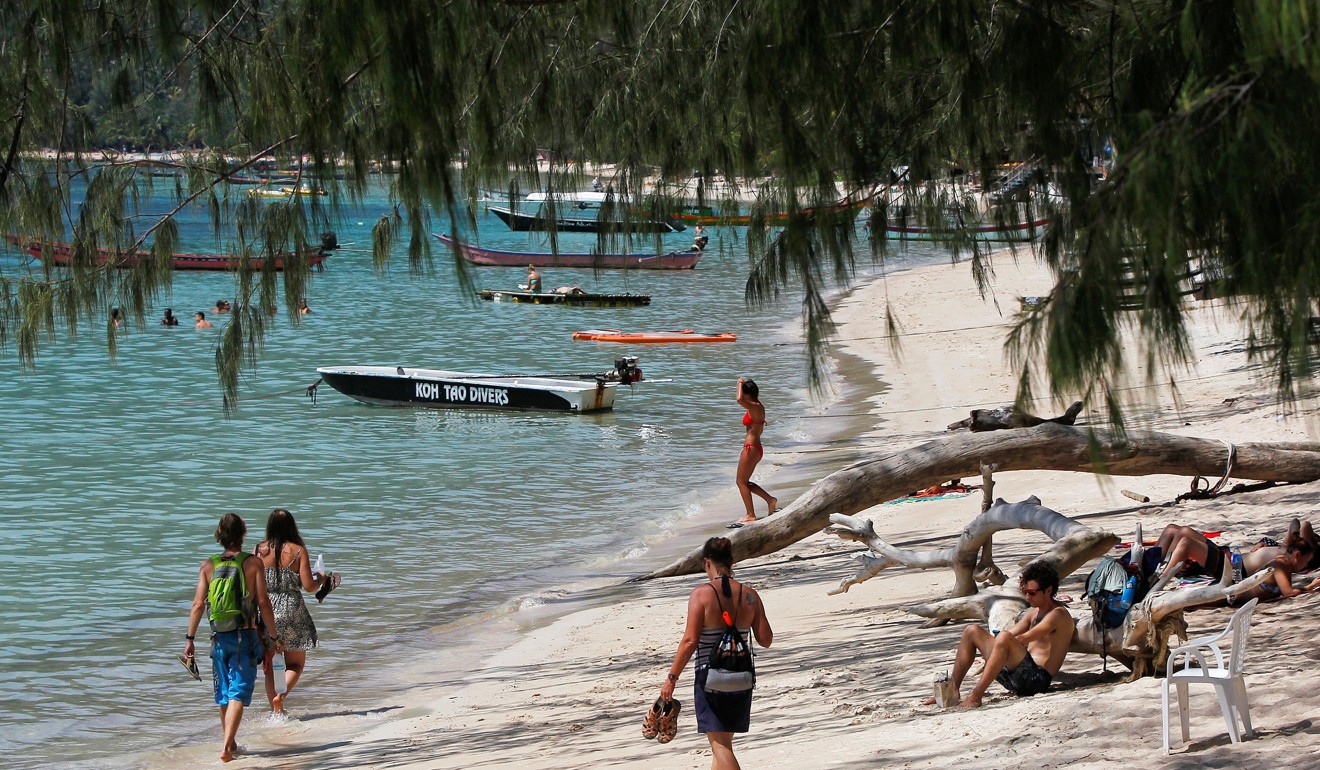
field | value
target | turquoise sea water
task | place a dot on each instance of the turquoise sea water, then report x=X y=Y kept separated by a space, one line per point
x=114 y=477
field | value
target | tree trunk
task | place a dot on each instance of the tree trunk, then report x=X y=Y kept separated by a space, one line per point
x=1007 y=417
x=1045 y=447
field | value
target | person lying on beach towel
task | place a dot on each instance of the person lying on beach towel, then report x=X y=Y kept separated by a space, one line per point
x=1026 y=657
x=1301 y=531
x=950 y=487
x=1195 y=554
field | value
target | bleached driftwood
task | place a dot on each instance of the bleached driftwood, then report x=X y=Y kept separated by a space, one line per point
x=1006 y=417
x=1074 y=544
x=1140 y=643
x=1045 y=447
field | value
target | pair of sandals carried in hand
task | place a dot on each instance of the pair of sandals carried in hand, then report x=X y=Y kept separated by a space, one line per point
x=661 y=721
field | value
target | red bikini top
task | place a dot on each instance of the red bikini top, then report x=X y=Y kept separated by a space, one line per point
x=747 y=419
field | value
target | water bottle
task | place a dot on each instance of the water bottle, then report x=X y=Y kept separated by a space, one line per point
x=1236 y=560
x=319 y=567
x=1129 y=592
x=277 y=673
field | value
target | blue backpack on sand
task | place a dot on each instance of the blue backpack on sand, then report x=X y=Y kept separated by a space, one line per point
x=1111 y=591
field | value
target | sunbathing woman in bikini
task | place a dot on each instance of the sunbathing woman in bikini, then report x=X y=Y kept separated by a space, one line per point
x=754 y=420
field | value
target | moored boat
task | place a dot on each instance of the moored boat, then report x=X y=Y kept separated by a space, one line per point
x=286 y=192
x=704 y=215
x=438 y=389
x=576 y=213
x=61 y=255
x=674 y=260
x=683 y=335
x=579 y=298
x=990 y=232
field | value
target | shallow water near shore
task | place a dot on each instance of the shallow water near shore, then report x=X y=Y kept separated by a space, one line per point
x=115 y=475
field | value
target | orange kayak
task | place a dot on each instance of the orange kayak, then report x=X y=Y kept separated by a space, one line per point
x=685 y=335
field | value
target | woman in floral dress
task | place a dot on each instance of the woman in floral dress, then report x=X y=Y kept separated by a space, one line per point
x=288 y=574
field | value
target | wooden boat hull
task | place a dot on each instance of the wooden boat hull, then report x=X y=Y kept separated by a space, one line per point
x=674 y=260
x=61 y=255
x=707 y=216
x=398 y=386
x=285 y=192
x=650 y=338
x=524 y=221
x=552 y=298
x=1020 y=232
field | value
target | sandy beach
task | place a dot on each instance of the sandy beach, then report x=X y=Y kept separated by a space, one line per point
x=841 y=685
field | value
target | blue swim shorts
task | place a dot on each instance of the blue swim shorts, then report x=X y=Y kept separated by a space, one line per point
x=235 y=656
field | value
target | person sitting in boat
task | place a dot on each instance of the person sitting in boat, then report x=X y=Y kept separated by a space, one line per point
x=201 y=322
x=596 y=185
x=533 y=280
x=169 y=319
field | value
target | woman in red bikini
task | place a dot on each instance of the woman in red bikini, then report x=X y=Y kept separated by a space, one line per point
x=754 y=420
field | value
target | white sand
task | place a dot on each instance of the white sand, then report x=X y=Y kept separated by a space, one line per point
x=840 y=686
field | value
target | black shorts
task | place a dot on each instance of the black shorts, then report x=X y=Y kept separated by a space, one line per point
x=721 y=712
x=1027 y=679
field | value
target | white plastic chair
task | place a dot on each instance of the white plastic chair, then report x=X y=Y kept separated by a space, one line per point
x=1227 y=680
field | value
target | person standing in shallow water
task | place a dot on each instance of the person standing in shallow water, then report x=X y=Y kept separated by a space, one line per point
x=288 y=574
x=719 y=714
x=749 y=398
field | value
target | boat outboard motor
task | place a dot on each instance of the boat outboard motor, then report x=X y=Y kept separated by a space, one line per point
x=329 y=241
x=626 y=370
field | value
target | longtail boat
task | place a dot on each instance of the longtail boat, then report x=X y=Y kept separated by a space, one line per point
x=576 y=213
x=684 y=335
x=705 y=215
x=61 y=255
x=674 y=260
x=990 y=232
x=578 y=298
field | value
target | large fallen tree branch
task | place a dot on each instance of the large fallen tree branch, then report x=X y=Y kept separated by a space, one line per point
x=1044 y=447
x=1007 y=417
x=1140 y=643
x=1074 y=544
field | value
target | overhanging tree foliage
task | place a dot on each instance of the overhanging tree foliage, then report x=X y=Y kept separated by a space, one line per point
x=1209 y=103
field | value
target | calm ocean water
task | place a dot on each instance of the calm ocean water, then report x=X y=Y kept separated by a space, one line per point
x=114 y=477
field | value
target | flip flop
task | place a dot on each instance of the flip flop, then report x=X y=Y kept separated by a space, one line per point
x=330 y=583
x=734 y=525
x=668 y=723
x=190 y=664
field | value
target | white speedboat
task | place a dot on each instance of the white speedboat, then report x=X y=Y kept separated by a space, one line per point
x=437 y=389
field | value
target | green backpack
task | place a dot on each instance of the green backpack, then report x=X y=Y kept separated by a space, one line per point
x=227 y=594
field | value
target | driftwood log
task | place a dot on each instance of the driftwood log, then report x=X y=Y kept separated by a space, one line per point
x=1007 y=417
x=1045 y=447
x=1140 y=643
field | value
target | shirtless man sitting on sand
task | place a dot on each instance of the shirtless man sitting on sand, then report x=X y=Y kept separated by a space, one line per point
x=1024 y=658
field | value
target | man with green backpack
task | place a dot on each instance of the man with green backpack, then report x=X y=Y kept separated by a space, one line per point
x=231 y=593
